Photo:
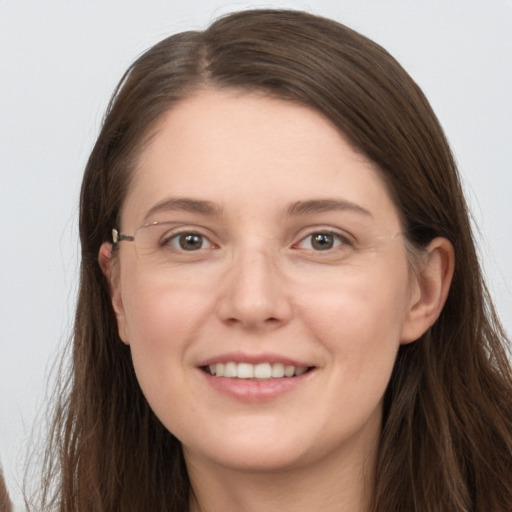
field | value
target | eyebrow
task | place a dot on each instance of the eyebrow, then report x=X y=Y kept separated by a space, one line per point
x=324 y=205
x=298 y=208
x=184 y=204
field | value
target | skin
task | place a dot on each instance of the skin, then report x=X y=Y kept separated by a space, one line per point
x=258 y=286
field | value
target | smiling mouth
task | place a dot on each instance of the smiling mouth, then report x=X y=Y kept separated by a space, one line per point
x=261 y=371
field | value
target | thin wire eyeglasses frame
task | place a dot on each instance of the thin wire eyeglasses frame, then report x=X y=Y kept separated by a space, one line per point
x=118 y=236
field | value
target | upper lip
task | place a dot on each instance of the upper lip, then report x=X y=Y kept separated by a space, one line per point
x=238 y=357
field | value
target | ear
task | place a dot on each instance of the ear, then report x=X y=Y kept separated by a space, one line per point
x=431 y=284
x=109 y=271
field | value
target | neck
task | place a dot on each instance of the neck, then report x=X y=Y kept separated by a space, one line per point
x=327 y=486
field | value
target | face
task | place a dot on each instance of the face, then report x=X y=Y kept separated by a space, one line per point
x=264 y=246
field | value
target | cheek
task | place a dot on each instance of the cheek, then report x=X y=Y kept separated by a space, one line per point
x=157 y=312
x=161 y=322
x=359 y=319
x=161 y=326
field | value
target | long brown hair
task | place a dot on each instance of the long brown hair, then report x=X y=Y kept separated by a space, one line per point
x=5 y=501
x=446 y=442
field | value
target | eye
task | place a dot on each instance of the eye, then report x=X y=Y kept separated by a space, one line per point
x=188 y=242
x=322 y=241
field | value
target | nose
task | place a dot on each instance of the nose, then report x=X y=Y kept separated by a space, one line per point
x=253 y=294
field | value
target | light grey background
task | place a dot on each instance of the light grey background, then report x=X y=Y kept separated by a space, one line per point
x=59 y=62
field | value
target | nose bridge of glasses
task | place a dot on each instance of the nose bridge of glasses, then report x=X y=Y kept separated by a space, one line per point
x=253 y=289
x=256 y=259
x=256 y=262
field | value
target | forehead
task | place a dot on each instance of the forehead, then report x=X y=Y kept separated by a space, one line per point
x=246 y=151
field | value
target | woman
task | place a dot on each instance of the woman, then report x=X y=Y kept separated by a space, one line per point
x=280 y=303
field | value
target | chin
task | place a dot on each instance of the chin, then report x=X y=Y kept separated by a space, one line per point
x=251 y=457
x=263 y=446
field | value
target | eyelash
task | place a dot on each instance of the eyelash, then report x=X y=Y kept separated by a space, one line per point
x=168 y=240
x=338 y=239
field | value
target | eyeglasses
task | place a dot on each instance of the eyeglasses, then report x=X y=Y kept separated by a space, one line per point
x=164 y=238
x=161 y=243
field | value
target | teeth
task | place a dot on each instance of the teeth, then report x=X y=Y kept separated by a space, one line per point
x=300 y=371
x=289 y=371
x=244 y=371
x=278 y=370
x=262 y=371
x=230 y=370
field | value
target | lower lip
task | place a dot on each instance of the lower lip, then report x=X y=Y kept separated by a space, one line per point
x=250 y=390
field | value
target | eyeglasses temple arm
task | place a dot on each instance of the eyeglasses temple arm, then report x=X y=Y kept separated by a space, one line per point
x=117 y=237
